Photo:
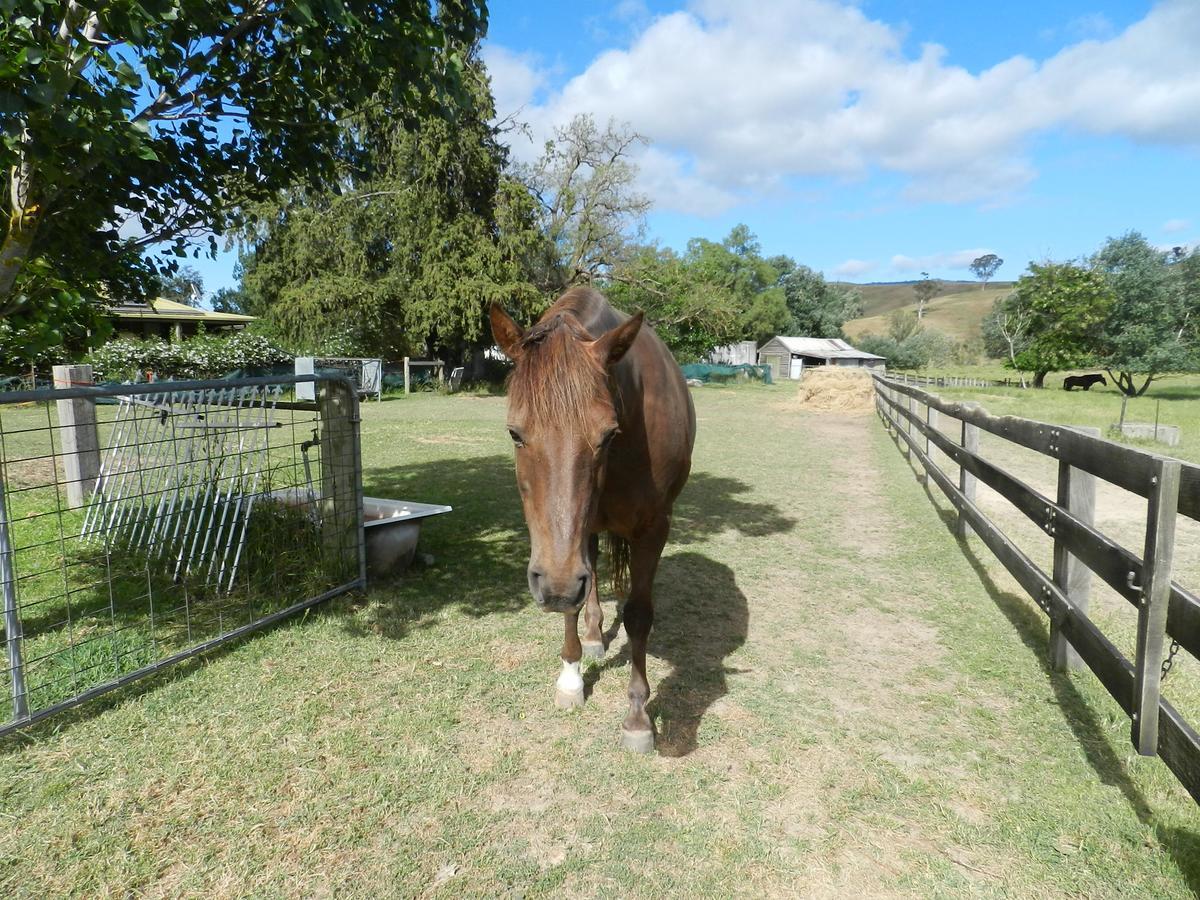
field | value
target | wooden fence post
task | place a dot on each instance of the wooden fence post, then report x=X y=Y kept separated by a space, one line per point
x=80 y=439
x=406 y=377
x=1152 y=604
x=339 y=474
x=966 y=481
x=1077 y=495
x=931 y=422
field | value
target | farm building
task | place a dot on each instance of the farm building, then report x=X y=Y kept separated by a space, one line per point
x=788 y=357
x=171 y=320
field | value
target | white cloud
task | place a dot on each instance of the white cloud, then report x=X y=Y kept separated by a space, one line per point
x=739 y=97
x=516 y=78
x=853 y=268
x=1174 y=226
x=955 y=259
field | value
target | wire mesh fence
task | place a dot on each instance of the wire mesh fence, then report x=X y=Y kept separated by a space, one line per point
x=142 y=524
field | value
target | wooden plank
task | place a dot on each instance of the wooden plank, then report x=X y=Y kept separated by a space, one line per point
x=1076 y=494
x=1113 y=563
x=1179 y=744
x=1152 y=606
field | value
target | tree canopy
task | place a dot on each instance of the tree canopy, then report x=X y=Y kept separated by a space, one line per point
x=985 y=267
x=586 y=203
x=404 y=256
x=1150 y=328
x=1052 y=320
x=130 y=125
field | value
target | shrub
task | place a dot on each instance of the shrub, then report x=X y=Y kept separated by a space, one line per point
x=203 y=356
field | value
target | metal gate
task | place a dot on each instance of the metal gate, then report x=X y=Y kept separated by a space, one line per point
x=141 y=525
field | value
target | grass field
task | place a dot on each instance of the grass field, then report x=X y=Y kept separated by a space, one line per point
x=847 y=704
x=1171 y=400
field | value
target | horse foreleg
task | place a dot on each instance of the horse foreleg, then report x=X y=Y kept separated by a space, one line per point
x=568 y=690
x=593 y=616
x=637 y=732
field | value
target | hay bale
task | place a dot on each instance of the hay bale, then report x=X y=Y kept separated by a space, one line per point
x=835 y=389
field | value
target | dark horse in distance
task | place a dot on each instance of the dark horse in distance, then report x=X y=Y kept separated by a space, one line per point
x=603 y=426
x=1083 y=381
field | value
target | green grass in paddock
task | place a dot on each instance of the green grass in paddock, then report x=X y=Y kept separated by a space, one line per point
x=1173 y=398
x=843 y=709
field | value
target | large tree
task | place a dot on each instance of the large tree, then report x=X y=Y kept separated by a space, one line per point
x=925 y=290
x=1150 y=327
x=405 y=255
x=127 y=125
x=587 y=204
x=1057 y=311
x=690 y=314
x=985 y=267
x=818 y=308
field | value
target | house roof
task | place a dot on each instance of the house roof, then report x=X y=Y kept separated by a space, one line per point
x=161 y=310
x=826 y=348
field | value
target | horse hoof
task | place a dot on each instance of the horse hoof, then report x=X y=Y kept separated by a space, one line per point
x=593 y=649
x=637 y=741
x=568 y=699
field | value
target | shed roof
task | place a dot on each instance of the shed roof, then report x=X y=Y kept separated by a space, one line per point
x=826 y=348
x=168 y=310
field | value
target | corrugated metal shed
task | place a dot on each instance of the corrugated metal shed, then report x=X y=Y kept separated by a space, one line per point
x=789 y=356
x=825 y=348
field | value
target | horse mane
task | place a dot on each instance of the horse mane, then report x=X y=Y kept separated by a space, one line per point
x=556 y=380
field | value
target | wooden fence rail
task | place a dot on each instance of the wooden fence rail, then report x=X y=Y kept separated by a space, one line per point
x=951 y=380
x=1166 y=610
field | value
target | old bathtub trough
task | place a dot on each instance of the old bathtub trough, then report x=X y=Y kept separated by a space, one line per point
x=391 y=528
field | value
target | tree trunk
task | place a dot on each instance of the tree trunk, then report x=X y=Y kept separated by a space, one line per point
x=1039 y=379
x=1142 y=389
x=1124 y=383
x=13 y=254
x=24 y=214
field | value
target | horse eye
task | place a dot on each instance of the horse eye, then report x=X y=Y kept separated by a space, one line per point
x=517 y=439
x=608 y=437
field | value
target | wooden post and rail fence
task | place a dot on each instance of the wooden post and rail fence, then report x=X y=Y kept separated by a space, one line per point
x=1167 y=612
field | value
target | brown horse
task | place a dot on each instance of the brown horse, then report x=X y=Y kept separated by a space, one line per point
x=604 y=427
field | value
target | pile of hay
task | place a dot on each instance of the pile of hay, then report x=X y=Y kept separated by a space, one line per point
x=835 y=389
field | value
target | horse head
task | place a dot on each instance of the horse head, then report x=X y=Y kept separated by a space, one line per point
x=563 y=421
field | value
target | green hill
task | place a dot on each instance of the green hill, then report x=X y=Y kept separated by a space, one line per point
x=957 y=311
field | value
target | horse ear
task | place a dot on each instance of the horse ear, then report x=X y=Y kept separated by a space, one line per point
x=615 y=343
x=506 y=332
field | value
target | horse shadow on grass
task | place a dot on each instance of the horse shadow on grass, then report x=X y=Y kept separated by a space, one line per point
x=1091 y=734
x=701 y=618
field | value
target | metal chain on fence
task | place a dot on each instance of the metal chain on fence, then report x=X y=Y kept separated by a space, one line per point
x=1170 y=660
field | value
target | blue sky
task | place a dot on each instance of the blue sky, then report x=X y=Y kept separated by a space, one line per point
x=873 y=140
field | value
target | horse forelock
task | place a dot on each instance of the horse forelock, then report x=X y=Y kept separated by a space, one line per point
x=556 y=380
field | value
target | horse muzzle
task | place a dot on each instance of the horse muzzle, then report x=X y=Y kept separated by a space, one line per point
x=558 y=594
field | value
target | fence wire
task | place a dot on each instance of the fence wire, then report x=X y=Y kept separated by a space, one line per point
x=143 y=524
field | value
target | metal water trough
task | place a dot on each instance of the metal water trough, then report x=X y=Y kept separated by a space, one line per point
x=391 y=528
